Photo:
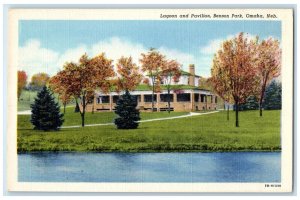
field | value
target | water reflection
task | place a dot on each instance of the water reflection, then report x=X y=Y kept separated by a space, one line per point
x=150 y=167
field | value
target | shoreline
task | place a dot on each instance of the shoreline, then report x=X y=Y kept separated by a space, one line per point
x=192 y=151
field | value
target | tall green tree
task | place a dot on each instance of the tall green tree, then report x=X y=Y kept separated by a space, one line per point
x=128 y=114
x=46 y=112
x=272 y=100
x=251 y=103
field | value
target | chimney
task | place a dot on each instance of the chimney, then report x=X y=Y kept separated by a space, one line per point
x=192 y=76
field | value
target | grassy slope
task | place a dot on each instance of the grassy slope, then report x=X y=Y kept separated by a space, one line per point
x=199 y=133
x=27 y=98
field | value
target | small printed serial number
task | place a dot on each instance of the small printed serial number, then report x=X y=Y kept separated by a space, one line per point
x=272 y=185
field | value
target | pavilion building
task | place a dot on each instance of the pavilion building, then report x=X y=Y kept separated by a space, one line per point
x=186 y=97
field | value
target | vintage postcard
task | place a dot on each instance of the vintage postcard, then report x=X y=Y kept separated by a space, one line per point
x=150 y=100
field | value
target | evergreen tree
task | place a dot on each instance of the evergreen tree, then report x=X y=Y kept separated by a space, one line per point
x=46 y=112
x=251 y=103
x=128 y=115
x=272 y=100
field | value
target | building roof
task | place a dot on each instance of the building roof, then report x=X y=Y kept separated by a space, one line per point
x=145 y=87
x=187 y=73
x=182 y=73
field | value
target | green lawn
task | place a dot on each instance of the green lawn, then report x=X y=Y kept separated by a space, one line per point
x=211 y=132
x=27 y=98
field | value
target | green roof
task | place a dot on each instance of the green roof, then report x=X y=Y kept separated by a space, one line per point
x=144 y=87
x=187 y=73
x=182 y=73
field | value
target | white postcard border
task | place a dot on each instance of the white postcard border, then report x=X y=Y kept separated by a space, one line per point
x=284 y=15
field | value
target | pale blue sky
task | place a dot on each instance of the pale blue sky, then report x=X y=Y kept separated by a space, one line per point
x=45 y=44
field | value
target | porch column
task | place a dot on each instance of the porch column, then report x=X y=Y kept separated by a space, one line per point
x=110 y=102
x=192 y=96
x=142 y=98
x=94 y=103
x=174 y=97
x=206 y=102
x=157 y=101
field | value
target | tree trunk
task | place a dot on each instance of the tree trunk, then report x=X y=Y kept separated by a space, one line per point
x=228 y=112
x=152 y=95
x=82 y=119
x=93 y=107
x=262 y=94
x=169 y=101
x=236 y=114
x=260 y=109
x=65 y=108
x=83 y=111
x=77 y=109
x=260 y=102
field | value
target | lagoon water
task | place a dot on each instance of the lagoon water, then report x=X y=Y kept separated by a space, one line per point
x=150 y=167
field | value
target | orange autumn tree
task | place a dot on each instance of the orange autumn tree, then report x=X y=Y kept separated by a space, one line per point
x=58 y=87
x=82 y=79
x=233 y=71
x=22 y=80
x=170 y=72
x=39 y=80
x=268 y=65
x=129 y=76
x=221 y=83
x=153 y=63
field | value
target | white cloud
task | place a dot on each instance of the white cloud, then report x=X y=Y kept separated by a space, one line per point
x=206 y=53
x=214 y=45
x=116 y=47
x=72 y=55
x=183 y=58
x=34 y=59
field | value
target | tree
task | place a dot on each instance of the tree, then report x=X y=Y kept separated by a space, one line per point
x=128 y=115
x=80 y=80
x=59 y=88
x=220 y=82
x=233 y=71
x=46 y=112
x=251 y=103
x=170 y=71
x=22 y=80
x=39 y=80
x=272 y=97
x=152 y=63
x=268 y=59
x=129 y=76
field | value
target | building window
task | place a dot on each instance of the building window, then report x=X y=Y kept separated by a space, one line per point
x=211 y=99
x=115 y=98
x=148 y=97
x=202 y=97
x=196 y=97
x=137 y=97
x=183 y=97
x=165 y=97
x=103 y=99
